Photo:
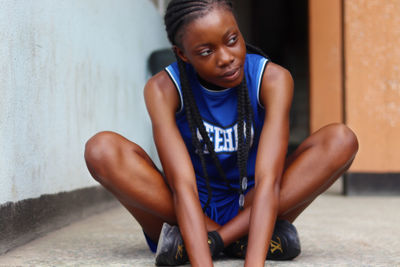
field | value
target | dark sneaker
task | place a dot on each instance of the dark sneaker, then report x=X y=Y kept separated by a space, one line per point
x=284 y=245
x=170 y=249
x=237 y=249
x=215 y=243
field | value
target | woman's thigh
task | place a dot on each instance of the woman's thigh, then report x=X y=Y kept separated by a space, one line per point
x=127 y=171
x=313 y=167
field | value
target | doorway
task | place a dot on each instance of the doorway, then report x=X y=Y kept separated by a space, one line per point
x=280 y=29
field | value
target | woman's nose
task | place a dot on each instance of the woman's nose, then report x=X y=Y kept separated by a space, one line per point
x=224 y=57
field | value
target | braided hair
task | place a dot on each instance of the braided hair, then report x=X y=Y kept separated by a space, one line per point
x=178 y=15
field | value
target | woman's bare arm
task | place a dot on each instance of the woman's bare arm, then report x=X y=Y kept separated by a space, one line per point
x=276 y=96
x=162 y=101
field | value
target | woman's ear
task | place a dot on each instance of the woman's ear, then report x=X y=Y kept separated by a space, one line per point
x=180 y=53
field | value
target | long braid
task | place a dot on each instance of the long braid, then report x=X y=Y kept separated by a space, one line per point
x=179 y=14
x=245 y=122
x=191 y=111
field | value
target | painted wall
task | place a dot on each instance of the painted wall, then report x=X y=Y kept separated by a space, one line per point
x=326 y=60
x=372 y=38
x=161 y=5
x=371 y=53
x=68 y=69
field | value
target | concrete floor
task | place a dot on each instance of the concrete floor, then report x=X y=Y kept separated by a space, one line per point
x=334 y=231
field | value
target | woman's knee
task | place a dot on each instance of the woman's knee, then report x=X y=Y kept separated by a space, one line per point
x=100 y=147
x=105 y=149
x=341 y=138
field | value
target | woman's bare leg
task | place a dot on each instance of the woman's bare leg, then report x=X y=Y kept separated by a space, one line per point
x=309 y=171
x=314 y=167
x=125 y=169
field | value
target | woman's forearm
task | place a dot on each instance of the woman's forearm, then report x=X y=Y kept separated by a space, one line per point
x=262 y=220
x=192 y=226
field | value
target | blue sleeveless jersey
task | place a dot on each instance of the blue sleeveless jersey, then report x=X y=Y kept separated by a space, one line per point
x=218 y=110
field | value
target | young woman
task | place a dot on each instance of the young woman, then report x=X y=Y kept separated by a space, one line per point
x=220 y=118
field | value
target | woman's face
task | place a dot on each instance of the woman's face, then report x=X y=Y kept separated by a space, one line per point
x=214 y=46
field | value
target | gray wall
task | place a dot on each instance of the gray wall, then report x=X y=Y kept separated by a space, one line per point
x=69 y=68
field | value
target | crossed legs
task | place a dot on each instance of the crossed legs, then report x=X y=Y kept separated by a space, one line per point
x=127 y=171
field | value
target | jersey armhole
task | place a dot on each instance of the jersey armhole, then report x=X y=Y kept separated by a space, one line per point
x=171 y=76
x=260 y=79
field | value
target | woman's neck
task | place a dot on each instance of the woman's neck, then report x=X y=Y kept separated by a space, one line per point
x=210 y=86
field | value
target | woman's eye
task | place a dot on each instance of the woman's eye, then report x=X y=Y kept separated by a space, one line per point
x=232 y=40
x=205 y=52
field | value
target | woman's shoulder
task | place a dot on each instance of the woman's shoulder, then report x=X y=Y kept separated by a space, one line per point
x=158 y=81
x=277 y=86
x=275 y=73
x=160 y=90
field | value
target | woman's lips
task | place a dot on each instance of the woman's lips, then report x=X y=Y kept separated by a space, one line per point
x=231 y=75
